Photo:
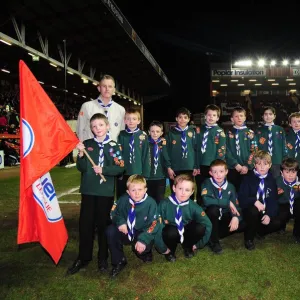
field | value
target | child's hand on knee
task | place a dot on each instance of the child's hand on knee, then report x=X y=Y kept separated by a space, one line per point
x=140 y=247
x=123 y=228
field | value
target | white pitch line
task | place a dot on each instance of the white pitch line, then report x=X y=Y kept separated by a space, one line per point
x=68 y=192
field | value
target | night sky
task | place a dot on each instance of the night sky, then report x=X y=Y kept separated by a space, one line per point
x=180 y=37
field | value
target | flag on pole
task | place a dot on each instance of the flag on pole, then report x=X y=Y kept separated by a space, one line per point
x=46 y=139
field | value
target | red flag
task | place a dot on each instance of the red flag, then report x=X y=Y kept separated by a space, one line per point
x=46 y=139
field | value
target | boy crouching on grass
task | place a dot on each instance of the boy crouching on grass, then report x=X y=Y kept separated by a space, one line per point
x=221 y=205
x=258 y=200
x=134 y=218
x=184 y=221
x=289 y=195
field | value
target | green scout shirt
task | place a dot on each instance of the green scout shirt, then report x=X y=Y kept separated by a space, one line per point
x=113 y=166
x=248 y=146
x=163 y=160
x=146 y=217
x=141 y=164
x=284 y=190
x=178 y=162
x=279 y=143
x=291 y=138
x=215 y=145
x=190 y=212
x=210 y=196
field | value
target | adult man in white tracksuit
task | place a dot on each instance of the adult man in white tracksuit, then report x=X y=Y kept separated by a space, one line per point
x=105 y=105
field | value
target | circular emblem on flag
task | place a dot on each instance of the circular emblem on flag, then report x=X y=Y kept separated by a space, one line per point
x=28 y=138
x=116 y=124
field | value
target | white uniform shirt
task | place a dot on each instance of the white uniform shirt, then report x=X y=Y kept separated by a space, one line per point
x=115 y=115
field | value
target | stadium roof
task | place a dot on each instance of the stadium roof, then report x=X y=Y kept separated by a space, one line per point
x=98 y=37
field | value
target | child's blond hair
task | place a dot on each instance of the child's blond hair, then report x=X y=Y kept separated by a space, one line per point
x=136 y=179
x=133 y=111
x=262 y=155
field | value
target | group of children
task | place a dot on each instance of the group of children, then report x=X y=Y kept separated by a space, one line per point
x=227 y=173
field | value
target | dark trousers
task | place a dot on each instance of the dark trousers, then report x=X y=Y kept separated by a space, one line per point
x=121 y=185
x=285 y=216
x=220 y=228
x=94 y=213
x=204 y=173
x=116 y=239
x=193 y=232
x=156 y=189
x=235 y=178
x=253 y=223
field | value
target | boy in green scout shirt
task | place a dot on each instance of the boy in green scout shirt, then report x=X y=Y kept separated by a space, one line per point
x=221 y=205
x=293 y=136
x=160 y=162
x=289 y=195
x=97 y=195
x=271 y=138
x=135 y=149
x=184 y=220
x=134 y=218
x=211 y=145
x=240 y=148
x=181 y=146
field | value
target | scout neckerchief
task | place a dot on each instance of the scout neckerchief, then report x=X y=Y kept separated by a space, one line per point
x=178 y=215
x=292 y=193
x=270 y=142
x=155 y=151
x=261 y=188
x=101 y=152
x=237 y=140
x=105 y=107
x=220 y=187
x=131 y=143
x=184 y=149
x=131 y=218
x=297 y=143
x=205 y=136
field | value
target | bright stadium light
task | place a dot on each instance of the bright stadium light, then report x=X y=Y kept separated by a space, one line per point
x=271 y=79
x=252 y=80
x=257 y=84
x=215 y=80
x=53 y=65
x=273 y=63
x=224 y=84
x=41 y=82
x=241 y=84
x=289 y=79
x=243 y=63
x=234 y=80
x=297 y=62
x=5 y=71
x=69 y=72
x=285 y=62
x=261 y=62
x=292 y=83
x=275 y=83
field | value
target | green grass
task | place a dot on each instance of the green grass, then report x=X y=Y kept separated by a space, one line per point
x=272 y=271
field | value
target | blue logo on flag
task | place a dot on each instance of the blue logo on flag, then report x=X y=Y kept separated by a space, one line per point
x=28 y=138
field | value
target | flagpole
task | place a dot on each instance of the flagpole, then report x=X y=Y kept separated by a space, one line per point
x=93 y=164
